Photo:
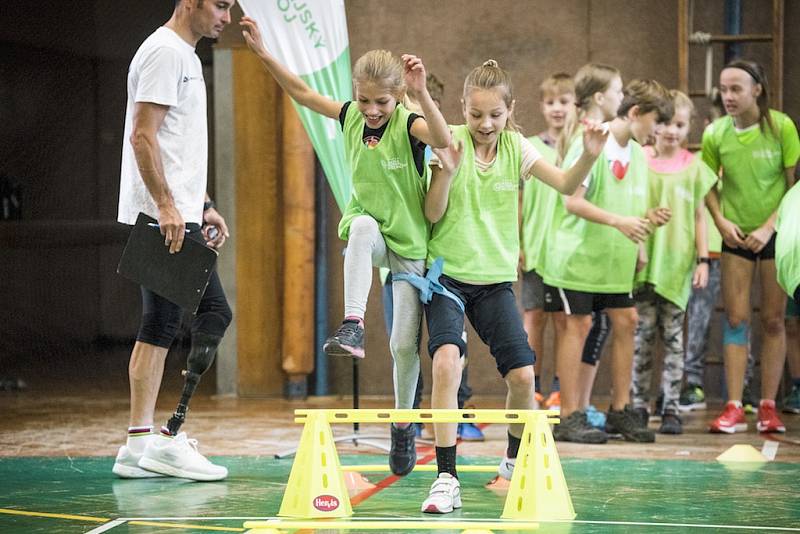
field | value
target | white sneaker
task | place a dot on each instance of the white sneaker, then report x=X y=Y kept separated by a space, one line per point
x=445 y=495
x=127 y=465
x=178 y=457
x=506 y=468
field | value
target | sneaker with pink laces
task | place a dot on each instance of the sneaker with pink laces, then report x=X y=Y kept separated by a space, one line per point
x=768 y=420
x=732 y=419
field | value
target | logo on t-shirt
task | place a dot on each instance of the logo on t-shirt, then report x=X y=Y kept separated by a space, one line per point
x=619 y=169
x=505 y=186
x=187 y=79
x=371 y=141
x=393 y=164
x=765 y=153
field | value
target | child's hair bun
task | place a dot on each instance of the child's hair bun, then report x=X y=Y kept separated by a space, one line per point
x=490 y=63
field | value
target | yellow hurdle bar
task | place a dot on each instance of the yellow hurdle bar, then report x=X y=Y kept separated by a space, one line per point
x=427 y=416
x=273 y=525
x=374 y=468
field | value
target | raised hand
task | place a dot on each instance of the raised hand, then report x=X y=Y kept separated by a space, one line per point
x=414 y=73
x=252 y=35
x=450 y=157
x=595 y=136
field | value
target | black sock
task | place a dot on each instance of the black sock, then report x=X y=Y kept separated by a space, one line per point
x=446 y=460
x=537 y=387
x=513 y=446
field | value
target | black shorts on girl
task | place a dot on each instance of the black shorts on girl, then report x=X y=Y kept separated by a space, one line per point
x=492 y=311
x=767 y=253
x=583 y=303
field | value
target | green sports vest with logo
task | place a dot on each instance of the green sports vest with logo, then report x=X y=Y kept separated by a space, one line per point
x=538 y=203
x=591 y=257
x=386 y=185
x=478 y=236
x=671 y=249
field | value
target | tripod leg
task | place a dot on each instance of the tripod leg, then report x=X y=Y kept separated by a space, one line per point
x=201 y=356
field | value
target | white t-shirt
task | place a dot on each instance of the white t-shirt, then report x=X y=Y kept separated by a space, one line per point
x=618 y=158
x=167 y=71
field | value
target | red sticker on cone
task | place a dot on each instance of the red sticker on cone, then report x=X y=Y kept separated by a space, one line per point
x=326 y=503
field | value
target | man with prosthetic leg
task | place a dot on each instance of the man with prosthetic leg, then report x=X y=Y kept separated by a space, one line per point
x=163 y=174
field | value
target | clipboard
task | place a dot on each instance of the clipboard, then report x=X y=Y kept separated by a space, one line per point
x=181 y=278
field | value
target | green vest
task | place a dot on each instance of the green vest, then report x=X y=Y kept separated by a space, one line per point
x=787 y=241
x=386 y=185
x=478 y=235
x=538 y=203
x=671 y=249
x=752 y=165
x=592 y=257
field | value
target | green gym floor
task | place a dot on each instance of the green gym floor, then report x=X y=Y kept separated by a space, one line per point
x=56 y=453
x=79 y=495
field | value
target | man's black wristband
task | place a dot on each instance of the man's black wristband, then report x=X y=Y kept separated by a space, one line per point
x=705 y=260
x=208 y=205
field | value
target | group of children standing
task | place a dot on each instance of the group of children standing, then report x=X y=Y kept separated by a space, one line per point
x=608 y=227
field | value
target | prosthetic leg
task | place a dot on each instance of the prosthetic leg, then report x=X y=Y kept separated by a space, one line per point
x=201 y=356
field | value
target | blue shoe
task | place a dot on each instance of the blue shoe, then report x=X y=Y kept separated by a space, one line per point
x=596 y=419
x=470 y=432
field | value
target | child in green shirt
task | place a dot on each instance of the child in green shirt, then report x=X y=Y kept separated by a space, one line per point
x=595 y=247
x=473 y=205
x=757 y=149
x=557 y=103
x=383 y=223
x=679 y=180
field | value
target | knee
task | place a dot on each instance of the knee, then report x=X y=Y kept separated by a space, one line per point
x=521 y=379
x=363 y=225
x=402 y=349
x=578 y=325
x=447 y=362
x=735 y=332
x=626 y=319
x=215 y=319
x=772 y=325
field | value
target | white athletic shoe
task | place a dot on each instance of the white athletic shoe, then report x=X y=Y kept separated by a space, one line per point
x=445 y=495
x=178 y=457
x=506 y=468
x=126 y=465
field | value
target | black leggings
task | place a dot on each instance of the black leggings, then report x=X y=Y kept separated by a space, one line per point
x=161 y=318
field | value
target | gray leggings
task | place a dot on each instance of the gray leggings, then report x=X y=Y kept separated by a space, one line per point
x=366 y=249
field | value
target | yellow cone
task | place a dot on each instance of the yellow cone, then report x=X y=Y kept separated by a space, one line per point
x=538 y=490
x=742 y=453
x=316 y=486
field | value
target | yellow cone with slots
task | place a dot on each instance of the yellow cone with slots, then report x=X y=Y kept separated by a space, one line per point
x=538 y=490
x=316 y=486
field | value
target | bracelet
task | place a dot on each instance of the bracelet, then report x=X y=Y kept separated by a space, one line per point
x=208 y=205
x=704 y=259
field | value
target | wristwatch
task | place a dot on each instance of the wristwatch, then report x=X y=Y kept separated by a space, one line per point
x=208 y=205
x=704 y=259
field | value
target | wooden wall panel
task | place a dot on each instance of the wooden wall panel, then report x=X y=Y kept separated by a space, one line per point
x=258 y=214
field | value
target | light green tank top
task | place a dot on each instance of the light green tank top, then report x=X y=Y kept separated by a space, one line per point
x=478 y=235
x=386 y=184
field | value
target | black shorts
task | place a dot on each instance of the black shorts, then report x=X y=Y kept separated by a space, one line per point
x=767 y=253
x=492 y=310
x=583 y=303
